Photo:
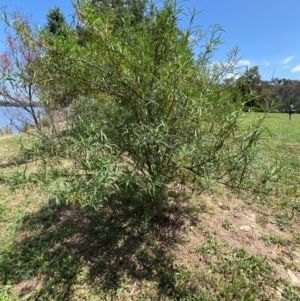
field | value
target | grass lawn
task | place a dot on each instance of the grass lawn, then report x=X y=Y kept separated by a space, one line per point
x=217 y=246
x=9 y=147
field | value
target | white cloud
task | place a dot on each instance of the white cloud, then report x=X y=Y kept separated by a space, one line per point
x=296 y=69
x=288 y=59
x=232 y=65
x=233 y=76
x=244 y=63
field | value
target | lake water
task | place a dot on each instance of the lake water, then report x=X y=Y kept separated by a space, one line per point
x=17 y=116
x=3 y=117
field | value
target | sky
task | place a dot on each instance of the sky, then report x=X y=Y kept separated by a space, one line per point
x=267 y=32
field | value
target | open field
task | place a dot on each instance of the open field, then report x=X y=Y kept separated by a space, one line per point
x=217 y=246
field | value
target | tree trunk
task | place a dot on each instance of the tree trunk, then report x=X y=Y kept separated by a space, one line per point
x=159 y=210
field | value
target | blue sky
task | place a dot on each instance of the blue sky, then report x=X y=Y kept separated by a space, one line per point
x=267 y=32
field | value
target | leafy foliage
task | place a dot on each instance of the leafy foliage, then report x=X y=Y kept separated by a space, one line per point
x=55 y=21
x=134 y=9
x=130 y=10
x=148 y=112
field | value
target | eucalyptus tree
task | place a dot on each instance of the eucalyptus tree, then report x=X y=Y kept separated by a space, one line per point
x=154 y=112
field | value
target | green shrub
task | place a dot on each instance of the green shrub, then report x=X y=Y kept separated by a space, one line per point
x=149 y=112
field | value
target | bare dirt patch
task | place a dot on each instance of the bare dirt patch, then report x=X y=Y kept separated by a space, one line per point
x=114 y=249
x=28 y=287
x=247 y=227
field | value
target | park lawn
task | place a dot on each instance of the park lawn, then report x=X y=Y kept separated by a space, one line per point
x=216 y=246
x=9 y=147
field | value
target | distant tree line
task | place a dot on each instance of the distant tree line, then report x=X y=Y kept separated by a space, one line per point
x=273 y=95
